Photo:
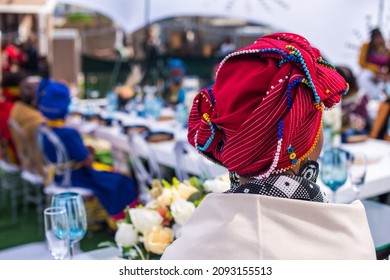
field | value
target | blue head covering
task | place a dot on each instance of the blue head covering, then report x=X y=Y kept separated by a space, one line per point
x=54 y=100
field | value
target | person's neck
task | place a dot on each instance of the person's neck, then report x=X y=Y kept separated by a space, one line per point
x=293 y=171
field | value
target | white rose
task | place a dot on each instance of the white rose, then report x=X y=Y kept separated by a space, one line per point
x=167 y=196
x=185 y=191
x=157 y=239
x=144 y=219
x=182 y=210
x=216 y=185
x=126 y=235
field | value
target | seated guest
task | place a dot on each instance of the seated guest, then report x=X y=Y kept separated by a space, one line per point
x=27 y=116
x=263 y=121
x=381 y=130
x=374 y=59
x=11 y=90
x=381 y=126
x=114 y=191
x=355 y=119
x=174 y=92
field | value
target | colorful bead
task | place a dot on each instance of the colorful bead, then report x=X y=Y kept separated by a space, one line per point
x=319 y=106
x=308 y=152
x=292 y=154
x=346 y=90
x=206 y=117
x=288 y=92
x=280 y=130
x=211 y=95
x=274 y=162
x=298 y=54
x=325 y=63
x=209 y=141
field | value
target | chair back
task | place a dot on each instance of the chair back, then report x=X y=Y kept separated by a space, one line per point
x=184 y=153
x=21 y=142
x=143 y=162
x=60 y=162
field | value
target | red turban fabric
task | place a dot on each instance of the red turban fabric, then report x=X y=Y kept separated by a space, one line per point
x=264 y=112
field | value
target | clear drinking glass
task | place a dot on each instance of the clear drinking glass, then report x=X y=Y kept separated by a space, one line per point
x=334 y=169
x=57 y=231
x=357 y=171
x=75 y=209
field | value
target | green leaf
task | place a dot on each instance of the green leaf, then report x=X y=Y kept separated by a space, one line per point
x=166 y=184
x=195 y=196
x=127 y=215
x=175 y=182
x=107 y=244
x=197 y=183
x=197 y=202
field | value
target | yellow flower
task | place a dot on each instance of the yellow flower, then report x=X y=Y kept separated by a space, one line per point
x=185 y=190
x=157 y=239
x=167 y=196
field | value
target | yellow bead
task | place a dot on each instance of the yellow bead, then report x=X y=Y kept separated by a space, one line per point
x=293 y=155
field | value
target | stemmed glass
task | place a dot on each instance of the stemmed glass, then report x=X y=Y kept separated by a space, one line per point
x=57 y=231
x=76 y=213
x=334 y=169
x=357 y=171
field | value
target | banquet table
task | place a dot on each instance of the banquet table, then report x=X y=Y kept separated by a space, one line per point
x=378 y=216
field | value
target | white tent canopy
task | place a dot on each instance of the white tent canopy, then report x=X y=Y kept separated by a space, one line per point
x=336 y=27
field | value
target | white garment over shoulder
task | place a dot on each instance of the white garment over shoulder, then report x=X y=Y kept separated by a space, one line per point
x=249 y=227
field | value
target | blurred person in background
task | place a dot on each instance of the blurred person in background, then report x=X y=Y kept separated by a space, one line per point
x=374 y=59
x=27 y=116
x=114 y=191
x=381 y=130
x=10 y=94
x=30 y=64
x=12 y=57
x=174 y=93
x=355 y=125
x=226 y=47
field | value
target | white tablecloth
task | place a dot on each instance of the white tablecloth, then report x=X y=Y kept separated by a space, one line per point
x=378 y=171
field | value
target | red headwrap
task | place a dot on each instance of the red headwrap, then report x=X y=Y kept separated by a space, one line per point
x=264 y=113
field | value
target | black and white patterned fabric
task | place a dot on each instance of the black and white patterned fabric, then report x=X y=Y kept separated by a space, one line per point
x=285 y=186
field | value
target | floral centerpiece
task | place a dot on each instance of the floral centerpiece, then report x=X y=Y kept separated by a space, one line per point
x=149 y=229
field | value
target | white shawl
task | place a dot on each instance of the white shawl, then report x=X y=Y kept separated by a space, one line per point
x=247 y=226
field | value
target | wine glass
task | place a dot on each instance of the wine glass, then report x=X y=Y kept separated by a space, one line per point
x=334 y=171
x=57 y=231
x=357 y=171
x=76 y=213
